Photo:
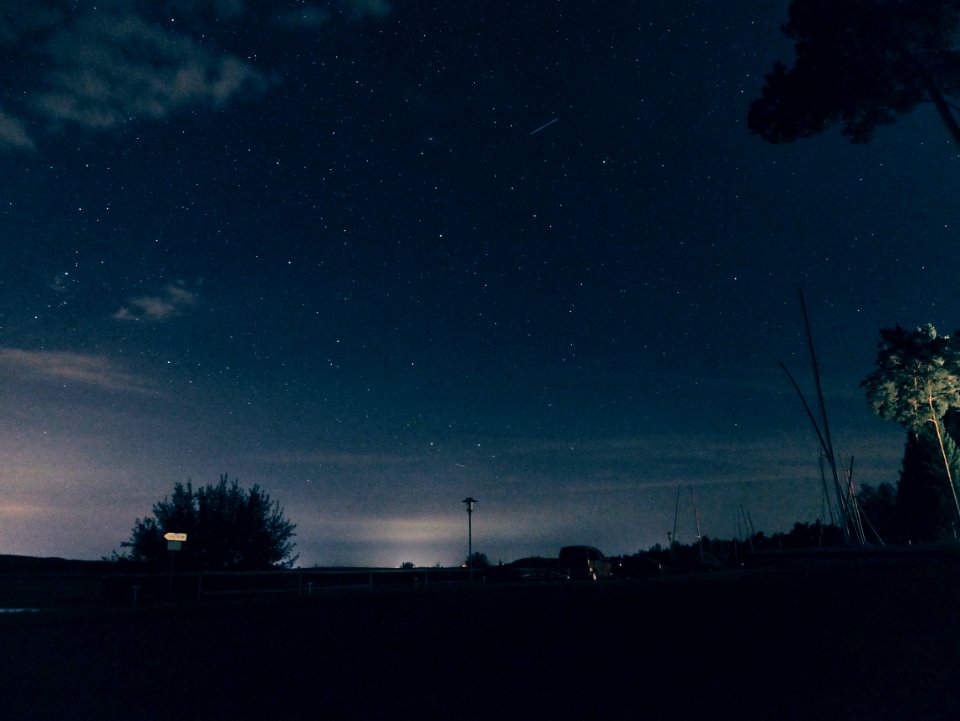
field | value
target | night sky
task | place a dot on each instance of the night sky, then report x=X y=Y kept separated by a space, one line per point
x=378 y=256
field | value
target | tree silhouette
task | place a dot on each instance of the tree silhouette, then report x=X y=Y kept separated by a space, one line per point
x=227 y=527
x=861 y=63
x=924 y=506
x=916 y=383
x=879 y=506
x=477 y=560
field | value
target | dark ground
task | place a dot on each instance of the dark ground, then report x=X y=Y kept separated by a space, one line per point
x=840 y=641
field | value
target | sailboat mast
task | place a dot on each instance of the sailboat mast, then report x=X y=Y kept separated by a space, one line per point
x=696 y=515
x=827 y=440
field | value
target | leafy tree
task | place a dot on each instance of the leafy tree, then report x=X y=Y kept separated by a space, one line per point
x=916 y=382
x=861 y=63
x=227 y=528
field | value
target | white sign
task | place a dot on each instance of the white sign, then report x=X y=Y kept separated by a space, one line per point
x=175 y=536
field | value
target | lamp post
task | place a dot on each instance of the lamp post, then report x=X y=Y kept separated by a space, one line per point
x=469 y=500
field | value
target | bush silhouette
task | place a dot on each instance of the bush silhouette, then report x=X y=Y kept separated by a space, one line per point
x=227 y=527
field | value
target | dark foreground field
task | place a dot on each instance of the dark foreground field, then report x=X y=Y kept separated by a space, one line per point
x=844 y=641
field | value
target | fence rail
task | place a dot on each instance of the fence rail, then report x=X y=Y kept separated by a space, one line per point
x=200 y=585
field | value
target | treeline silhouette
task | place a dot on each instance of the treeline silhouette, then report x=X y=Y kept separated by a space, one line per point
x=707 y=553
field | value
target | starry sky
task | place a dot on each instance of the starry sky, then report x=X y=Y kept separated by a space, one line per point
x=378 y=256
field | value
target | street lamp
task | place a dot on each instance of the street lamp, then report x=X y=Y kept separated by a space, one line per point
x=469 y=500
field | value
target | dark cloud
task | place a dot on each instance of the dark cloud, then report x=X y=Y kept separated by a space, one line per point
x=99 y=66
x=108 y=68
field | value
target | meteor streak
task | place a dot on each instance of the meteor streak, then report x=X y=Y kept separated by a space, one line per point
x=545 y=125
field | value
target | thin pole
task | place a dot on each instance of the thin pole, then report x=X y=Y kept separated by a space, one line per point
x=748 y=523
x=825 y=451
x=676 y=513
x=825 y=498
x=673 y=536
x=470 y=500
x=853 y=504
x=470 y=540
x=696 y=515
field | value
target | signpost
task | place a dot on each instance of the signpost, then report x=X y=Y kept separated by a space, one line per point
x=175 y=542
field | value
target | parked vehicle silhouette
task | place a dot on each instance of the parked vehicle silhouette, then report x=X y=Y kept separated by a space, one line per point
x=583 y=563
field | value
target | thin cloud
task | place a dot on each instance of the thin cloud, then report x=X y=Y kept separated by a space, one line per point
x=13 y=133
x=664 y=460
x=66 y=367
x=174 y=300
x=311 y=16
x=335 y=458
x=308 y=17
x=364 y=9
